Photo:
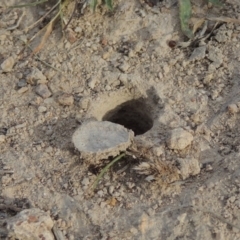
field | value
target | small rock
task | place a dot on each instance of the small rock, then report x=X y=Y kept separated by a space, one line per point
x=209 y=168
x=66 y=99
x=181 y=218
x=30 y=224
x=84 y=103
x=23 y=90
x=42 y=109
x=36 y=77
x=188 y=167
x=85 y=181
x=158 y=150
x=22 y=83
x=43 y=91
x=78 y=30
x=198 y=53
x=166 y=68
x=233 y=108
x=108 y=88
x=179 y=139
x=7 y=65
x=2 y=138
x=100 y=193
x=111 y=189
x=98 y=140
x=92 y=82
x=71 y=35
x=215 y=54
x=138 y=46
x=124 y=66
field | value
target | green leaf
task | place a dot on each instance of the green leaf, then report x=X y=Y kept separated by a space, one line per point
x=93 y=4
x=109 y=4
x=215 y=2
x=185 y=14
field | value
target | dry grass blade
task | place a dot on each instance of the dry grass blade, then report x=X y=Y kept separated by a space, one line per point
x=197 y=23
x=224 y=19
x=48 y=31
x=29 y=4
x=43 y=17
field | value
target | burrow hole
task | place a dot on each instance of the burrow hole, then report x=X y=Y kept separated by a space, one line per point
x=134 y=114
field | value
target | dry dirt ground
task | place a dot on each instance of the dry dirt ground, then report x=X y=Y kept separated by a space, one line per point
x=106 y=60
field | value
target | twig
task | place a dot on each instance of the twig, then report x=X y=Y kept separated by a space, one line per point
x=71 y=17
x=40 y=19
x=39 y=59
x=18 y=22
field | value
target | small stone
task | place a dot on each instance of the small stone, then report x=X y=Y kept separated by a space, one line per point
x=8 y=64
x=70 y=237
x=108 y=88
x=198 y=53
x=208 y=78
x=43 y=91
x=166 y=68
x=92 y=82
x=85 y=181
x=233 y=108
x=23 y=90
x=36 y=77
x=100 y=193
x=78 y=30
x=71 y=35
x=138 y=46
x=66 y=99
x=84 y=103
x=111 y=189
x=124 y=66
x=179 y=139
x=2 y=138
x=30 y=224
x=181 y=218
x=98 y=140
x=134 y=230
x=215 y=55
x=209 y=168
x=42 y=109
x=22 y=83
x=188 y=167
x=158 y=151
x=63 y=224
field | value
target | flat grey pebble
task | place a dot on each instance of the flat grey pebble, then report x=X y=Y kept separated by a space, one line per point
x=22 y=83
x=43 y=91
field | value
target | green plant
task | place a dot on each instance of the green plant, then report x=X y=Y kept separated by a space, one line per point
x=105 y=169
x=185 y=11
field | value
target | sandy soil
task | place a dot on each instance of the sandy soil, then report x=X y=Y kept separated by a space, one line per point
x=107 y=60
